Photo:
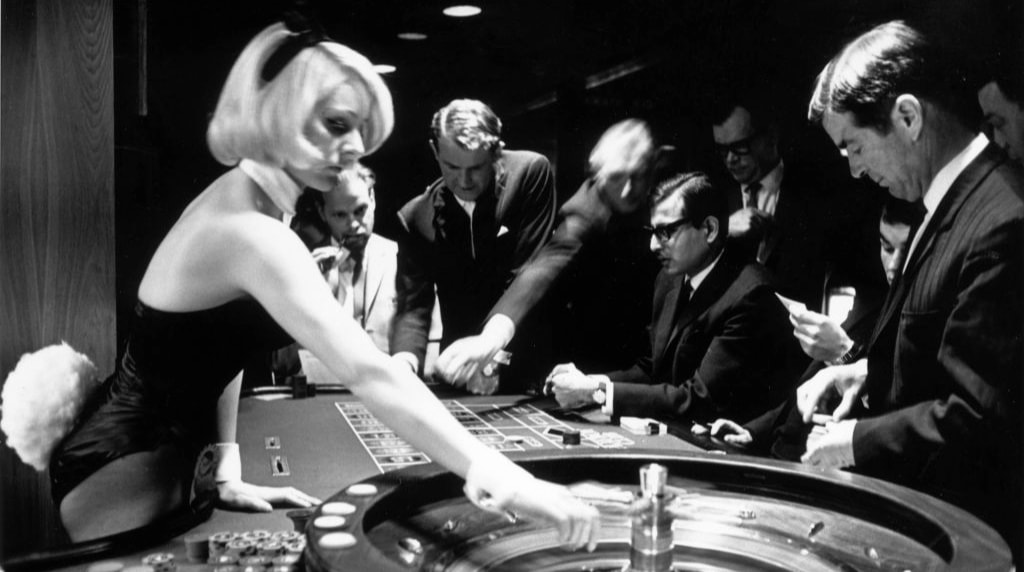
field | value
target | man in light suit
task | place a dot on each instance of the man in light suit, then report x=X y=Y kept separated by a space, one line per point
x=720 y=338
x=359 y=265
x=348 y=210
x=937 y=401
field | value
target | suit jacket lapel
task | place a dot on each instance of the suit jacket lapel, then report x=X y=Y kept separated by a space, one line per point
x=709 y=291
x=666 y=315
x=372 y=275
x=787 y=215
x=944 y=215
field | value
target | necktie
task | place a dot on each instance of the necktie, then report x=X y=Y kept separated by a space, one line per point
x=752 y=190
x=685 y=292
x=920 y=214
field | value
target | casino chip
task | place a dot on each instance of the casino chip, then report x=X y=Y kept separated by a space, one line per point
x=197 y=547
x=160 y=562
x=361 y=490
x=339 y=508
x=329 y=521
x=571 y=437
x=337 y=540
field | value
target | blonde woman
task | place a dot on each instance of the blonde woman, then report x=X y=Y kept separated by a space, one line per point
x=230 y=279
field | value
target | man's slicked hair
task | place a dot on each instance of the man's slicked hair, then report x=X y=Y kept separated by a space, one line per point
x=471 y=124
x=892 y=59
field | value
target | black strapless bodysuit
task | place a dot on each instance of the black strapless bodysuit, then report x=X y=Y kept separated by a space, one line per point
x=165 y=388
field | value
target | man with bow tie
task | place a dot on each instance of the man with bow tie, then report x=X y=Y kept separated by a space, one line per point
x=360 y=264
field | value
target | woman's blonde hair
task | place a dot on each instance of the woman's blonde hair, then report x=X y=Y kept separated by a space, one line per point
x=263 y=121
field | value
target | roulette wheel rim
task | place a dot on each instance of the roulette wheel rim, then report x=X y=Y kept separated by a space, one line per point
x=904 y=529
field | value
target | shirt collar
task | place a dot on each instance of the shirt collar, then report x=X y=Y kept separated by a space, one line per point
x=699 y=277
x=771 y=182
x=276 y=183
x=944 y=179
x=467 y=206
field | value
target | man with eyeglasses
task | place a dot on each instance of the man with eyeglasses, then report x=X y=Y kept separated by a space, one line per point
x=720 y=339
x=803 y=227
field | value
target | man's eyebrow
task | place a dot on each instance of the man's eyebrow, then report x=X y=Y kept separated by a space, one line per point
x=453 y=166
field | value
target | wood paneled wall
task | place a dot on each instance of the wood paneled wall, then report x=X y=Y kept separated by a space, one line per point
x=56 y=212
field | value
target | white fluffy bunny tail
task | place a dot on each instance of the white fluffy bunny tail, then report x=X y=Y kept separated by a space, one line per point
x=42 y=397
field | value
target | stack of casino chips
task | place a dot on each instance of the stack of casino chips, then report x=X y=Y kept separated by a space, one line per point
x=160 y=562
x=257 y=551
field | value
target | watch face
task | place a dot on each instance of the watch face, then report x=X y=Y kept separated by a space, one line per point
x=599 y=396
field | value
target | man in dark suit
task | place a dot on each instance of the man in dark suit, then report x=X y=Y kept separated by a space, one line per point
x=598 y=259
x=720 y=338
x=468 y=235
x=942 y=377
x=804 y=228
x=782 y=432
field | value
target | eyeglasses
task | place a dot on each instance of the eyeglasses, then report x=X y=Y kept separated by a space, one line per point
x=663 y=232
x=740 y=148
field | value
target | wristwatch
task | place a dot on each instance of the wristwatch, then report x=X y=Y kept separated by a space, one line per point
x=600 y=394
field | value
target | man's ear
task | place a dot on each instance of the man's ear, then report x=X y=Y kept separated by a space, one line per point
x=433 y=147
x=711 y=228
x=908 y=115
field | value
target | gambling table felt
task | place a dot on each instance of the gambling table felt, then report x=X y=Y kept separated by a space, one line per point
x=740 y=513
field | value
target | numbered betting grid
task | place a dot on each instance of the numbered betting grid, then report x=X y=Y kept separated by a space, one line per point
x=520 y=427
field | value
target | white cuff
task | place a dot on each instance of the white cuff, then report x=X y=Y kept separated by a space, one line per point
x=229 y=462
x=844 y=434
x=502 y=327
x=609 y=394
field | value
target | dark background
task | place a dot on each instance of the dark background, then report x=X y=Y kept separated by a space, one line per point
x=558 y=72
x=105 y=104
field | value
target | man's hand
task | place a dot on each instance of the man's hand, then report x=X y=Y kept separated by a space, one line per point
x=498 y=486
x=327 y=259
x=242 y=496
x=731 y=432
x=830 y=446
x=460 y=361
x=570 y=386
x=749 y=222
x=845 y=380
x=821 y=337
